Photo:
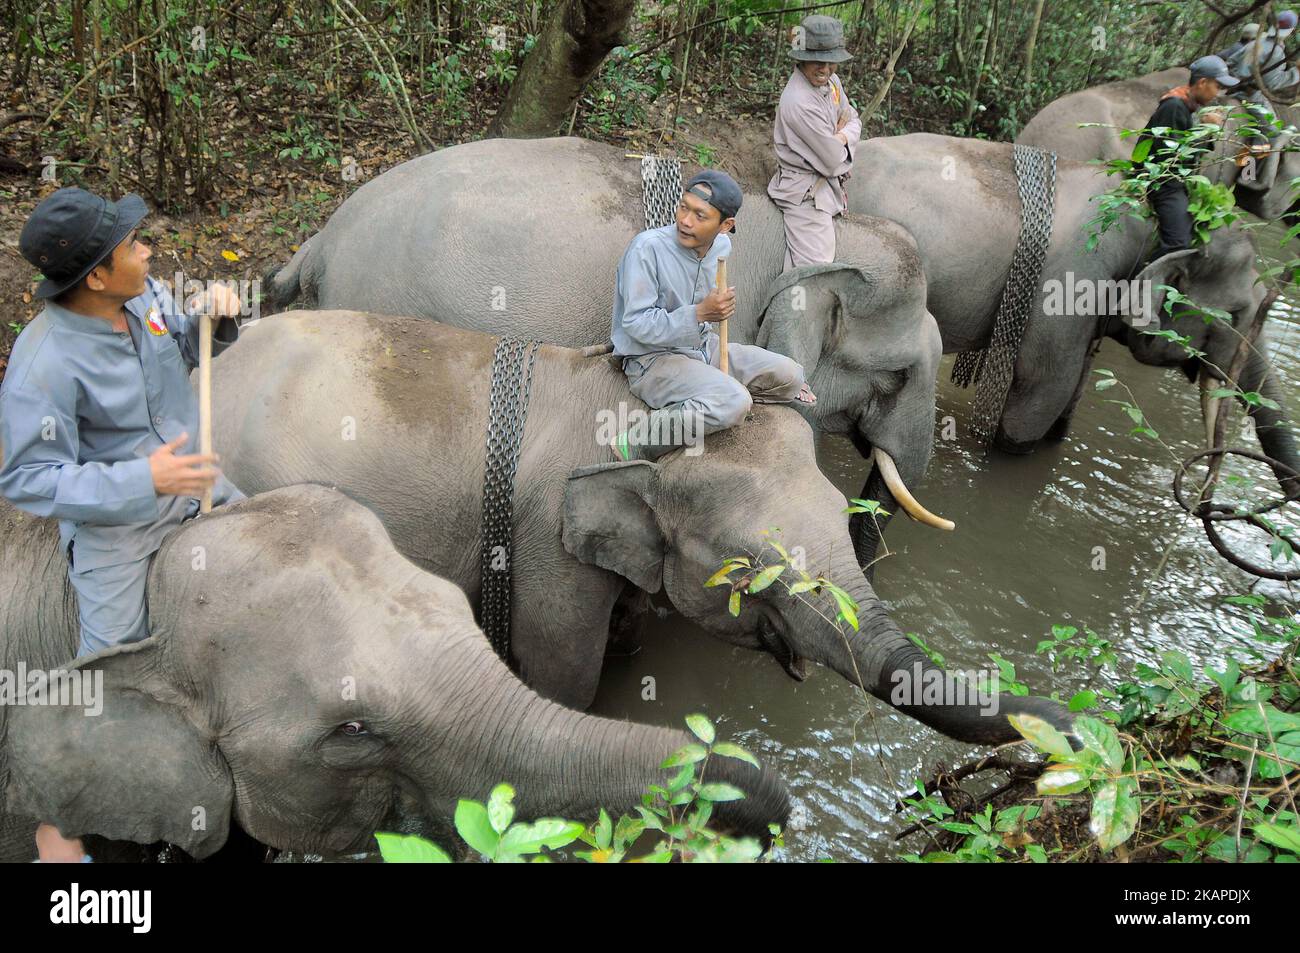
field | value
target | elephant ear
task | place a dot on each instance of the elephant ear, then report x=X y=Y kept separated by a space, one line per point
x=1165 y=270
x=785 y=324
x=127 y=764
x=609 y=520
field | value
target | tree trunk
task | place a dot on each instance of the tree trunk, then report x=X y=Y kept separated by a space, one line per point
x=1032 y=41
x=576 y=38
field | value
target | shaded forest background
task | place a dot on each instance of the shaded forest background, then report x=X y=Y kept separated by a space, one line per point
x=245 y=123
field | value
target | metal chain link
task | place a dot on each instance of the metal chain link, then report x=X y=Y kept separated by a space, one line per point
x=512 y=383
x=661 y=181
x=994 y=366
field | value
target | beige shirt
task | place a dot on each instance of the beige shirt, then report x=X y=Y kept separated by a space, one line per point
x=806 y=147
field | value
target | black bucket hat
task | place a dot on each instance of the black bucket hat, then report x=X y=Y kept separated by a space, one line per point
x=72 y=231
x=821 y=40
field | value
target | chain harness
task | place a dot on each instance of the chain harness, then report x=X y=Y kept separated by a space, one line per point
x=993 y=366
x=661 y=181
x=512 y=383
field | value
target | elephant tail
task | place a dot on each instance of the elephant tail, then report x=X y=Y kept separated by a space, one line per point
x=283 y=285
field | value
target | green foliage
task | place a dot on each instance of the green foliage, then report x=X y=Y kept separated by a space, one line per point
x=758 y=575
x=675 y=815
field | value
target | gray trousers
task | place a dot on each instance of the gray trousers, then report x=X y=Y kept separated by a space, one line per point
x=693 y=398
x=809 y=235
x=111 y=604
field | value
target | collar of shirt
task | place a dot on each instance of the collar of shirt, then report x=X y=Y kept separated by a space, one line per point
x=64 y=317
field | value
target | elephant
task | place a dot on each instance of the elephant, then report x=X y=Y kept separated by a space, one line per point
x=393 y=411
x=304 y=680
x=958 y=198
x=1266 y=190
x=426 y=239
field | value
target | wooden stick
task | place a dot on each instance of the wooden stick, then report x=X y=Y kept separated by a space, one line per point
x=722 y=325
x=205 y=399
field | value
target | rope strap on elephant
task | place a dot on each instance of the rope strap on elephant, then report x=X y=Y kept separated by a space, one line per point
x=661 y=182
x=512 y=383
x=992 y=367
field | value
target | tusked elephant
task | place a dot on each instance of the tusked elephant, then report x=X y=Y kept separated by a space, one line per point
x=393 y=411
x=958 y=198
x=537 y=260
x=1264 y=187
x=304 y=680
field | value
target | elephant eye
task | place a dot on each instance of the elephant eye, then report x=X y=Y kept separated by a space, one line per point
x=354 y=728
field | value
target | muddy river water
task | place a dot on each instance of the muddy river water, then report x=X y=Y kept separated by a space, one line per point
x=1023 y=558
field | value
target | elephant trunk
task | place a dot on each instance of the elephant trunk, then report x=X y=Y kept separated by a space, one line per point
x=564 y=763
x=884 y=662
x=1271 y=424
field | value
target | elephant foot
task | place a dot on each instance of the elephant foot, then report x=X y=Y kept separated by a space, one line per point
x=1019 y=448
x=1059 y=430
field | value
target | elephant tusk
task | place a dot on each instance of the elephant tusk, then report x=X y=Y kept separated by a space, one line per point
x=906 y=500
x=1209 y=407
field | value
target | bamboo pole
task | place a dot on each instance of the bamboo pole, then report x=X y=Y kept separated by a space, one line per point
x=205 y=399
x=722 y=325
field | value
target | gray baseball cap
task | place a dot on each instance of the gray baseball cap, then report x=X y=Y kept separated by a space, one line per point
x=723 y=192
x=1215 y=69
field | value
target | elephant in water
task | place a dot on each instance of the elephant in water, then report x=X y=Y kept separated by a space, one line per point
x=537 y=260
x=1263 y=188
x=958 y=198
x=304 y=680
x=393 y=411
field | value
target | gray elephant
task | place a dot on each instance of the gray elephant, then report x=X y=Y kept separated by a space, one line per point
x=537 y=260
x=393 y=411
x=426 y=239
x=304 y=680
x=1263 y=187
x=958 y=197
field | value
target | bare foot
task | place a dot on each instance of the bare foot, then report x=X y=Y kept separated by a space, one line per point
x=806 y=395
x=54 y=848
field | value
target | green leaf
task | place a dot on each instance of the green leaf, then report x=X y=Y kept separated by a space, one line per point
x=733 y=604
x=500 y=807
x=718 y=791
x=409 y=849
x=766 y=578
x=1115 y=813
x=1285 y=836
x=1106 y=383
x=475 y=829
x=701 y=727
x=687 y=754
x=1061 y=779
x=1041 y=734
x=1099 y=737
x=603 y=830
x=1083 y=700
x=729 y=750
x=550 y=832
x=719 y=577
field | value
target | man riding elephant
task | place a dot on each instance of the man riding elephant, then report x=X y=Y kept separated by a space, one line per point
x=94 y=407
x=816 y=135
x=662 y=327
x=1208 y=77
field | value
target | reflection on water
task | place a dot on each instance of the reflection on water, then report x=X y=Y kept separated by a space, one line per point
x=1029 y=532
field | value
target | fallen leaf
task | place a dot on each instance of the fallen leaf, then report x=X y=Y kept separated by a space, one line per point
x=229 y=255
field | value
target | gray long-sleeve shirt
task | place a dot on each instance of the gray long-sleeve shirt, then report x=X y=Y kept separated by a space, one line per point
x=657 y=287
x=1276 y=76
x=82 y=407
x=806 y=148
